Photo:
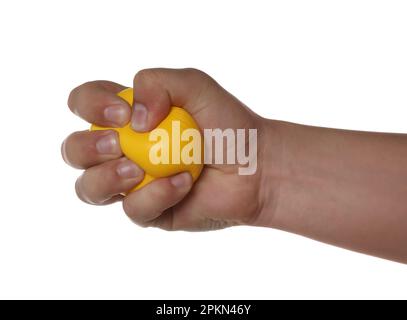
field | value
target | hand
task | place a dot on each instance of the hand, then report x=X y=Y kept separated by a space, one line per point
x=220 y=198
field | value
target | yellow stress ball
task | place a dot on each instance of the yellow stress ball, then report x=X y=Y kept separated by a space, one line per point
x=174 y=146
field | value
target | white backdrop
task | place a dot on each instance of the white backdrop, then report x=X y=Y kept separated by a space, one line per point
x=329 y=63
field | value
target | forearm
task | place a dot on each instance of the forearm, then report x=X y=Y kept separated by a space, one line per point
x=346 y=188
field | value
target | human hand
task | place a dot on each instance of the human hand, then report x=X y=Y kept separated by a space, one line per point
x=220 y=198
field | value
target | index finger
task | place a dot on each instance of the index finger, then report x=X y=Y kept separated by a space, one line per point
x=97 y=102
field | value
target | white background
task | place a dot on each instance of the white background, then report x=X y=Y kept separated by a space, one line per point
x=329 y=63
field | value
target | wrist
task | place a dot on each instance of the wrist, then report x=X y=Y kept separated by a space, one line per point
x=270 y=153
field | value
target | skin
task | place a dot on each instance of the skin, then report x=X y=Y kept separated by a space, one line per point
x=346 y=188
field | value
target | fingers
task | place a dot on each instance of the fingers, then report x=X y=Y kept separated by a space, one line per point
x=148 y=203
x=85 y=148
x=156 y=90
x=97 y=102
x=102 y=183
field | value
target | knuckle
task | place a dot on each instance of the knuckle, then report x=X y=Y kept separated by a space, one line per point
x=201 y=80
x=197 y=73
x=147 y=76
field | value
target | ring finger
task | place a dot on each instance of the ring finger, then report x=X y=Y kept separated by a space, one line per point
x=85 y=149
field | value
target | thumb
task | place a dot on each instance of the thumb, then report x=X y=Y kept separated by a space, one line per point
x=156 y=90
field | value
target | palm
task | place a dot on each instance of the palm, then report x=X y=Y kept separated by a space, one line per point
x=220 y=197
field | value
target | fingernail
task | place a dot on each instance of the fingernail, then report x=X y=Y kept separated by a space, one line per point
x=181 y=180
x=128 y=170
x=108 y=144
x=139 y=118
x=116 y=114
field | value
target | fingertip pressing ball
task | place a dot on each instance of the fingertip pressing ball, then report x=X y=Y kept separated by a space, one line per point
x=174 y=146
